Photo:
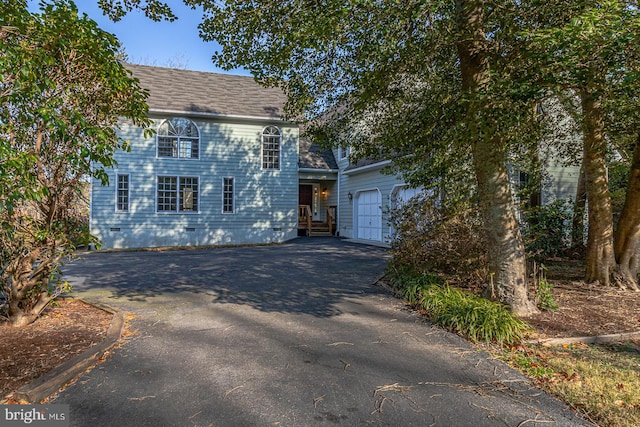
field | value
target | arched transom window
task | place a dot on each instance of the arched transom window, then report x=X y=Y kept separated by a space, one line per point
x=271 y=148
x=178 y=137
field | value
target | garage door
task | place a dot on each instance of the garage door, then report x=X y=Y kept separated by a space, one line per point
x=369 y=215
x=401 y=195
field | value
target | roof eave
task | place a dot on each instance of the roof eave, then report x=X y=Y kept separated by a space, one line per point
x=208 y=114
x=367 y=168
x=318 y=170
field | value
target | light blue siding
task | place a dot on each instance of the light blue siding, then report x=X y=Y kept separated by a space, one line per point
x=265 y=200
x=361 y=183
x=561 y=182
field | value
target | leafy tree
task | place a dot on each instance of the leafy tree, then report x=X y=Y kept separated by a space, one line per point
x=446 y=89
x=153 y=9
x=62 y=92
x=423 y=82
x=592 y=49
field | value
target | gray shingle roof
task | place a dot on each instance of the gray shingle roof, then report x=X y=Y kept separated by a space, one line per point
x=365 y=162
x=213 y=93
x=313 y=156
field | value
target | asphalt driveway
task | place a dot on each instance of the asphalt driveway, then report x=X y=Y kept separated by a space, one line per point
x=288 y=335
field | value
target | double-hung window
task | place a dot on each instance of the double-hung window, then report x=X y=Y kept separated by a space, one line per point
x=177 y=194
x=343 y=152
x=178 y=137
x=122 y=193
x=227 y=196
x=271 y=139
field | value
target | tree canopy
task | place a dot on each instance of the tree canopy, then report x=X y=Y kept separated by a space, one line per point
x=62 y=94
x=424 y=83
x=449 y=90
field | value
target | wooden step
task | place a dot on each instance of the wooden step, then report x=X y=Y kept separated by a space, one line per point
x=318 y=228
x=317 y=233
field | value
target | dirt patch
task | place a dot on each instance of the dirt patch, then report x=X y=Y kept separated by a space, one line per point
x=585 y=310
x=62 y=332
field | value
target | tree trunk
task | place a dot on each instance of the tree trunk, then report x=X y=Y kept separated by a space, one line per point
x=577 y=223
x=26 y=279
x=600 y=260
x=506 y=250
x=627 y=237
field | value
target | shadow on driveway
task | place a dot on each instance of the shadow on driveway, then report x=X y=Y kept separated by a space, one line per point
x=287 y=335
x=303 y=276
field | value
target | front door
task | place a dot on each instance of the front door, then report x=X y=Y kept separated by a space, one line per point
x=309 y=194
x=305 y=195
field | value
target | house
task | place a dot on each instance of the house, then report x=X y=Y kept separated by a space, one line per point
x=221 y=169
x=225 y=168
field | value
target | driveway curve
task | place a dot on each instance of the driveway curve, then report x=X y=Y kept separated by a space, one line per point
x=289 y=335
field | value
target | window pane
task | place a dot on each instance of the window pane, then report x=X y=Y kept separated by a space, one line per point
x=188 y=194
x=167 y=193
x=178 y=137
x=271 y=148
x=180 y=126
x=167 y=146
x=227 y=195
x=189 y=148
x=122 y=197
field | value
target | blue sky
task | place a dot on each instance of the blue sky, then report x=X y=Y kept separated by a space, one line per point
x=158 y=43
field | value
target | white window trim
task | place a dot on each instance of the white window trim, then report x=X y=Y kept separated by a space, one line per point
x=179 y=196
x=178 y=157
x=233 y=195
x=128 y=193
x=279 y=149
x=343 y=152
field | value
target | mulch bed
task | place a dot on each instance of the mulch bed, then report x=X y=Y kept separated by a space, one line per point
x=63 y=331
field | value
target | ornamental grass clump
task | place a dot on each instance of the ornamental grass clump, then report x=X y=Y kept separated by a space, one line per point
x=471 y=316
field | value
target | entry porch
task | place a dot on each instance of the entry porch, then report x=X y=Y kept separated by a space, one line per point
x=317 y=209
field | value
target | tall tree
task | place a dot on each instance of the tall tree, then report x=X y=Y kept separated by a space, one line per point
x=506 y=250
x=435 y=62
x=62 y=93
x=627 y=238
x=592 y=49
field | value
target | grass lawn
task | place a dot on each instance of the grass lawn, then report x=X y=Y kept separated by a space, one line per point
x=601 y=382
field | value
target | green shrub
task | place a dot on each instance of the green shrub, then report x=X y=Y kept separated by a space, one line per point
x=543 y=296
x=476 y=318
x=431 y=239
x=546 y=229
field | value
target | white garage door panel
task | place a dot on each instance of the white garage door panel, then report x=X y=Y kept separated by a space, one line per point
x=369 y=216
x=404 y=194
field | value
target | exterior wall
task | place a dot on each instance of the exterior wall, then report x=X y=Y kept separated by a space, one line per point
x=561 y=182
x=324 y=200
x=265 y=200
x=356 y=183
x=321 y=179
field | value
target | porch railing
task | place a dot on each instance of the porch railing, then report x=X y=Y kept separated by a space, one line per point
x=332 y=213
x=304 y=217
x=305 y=220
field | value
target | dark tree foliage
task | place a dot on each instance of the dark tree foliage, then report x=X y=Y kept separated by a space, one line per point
x=62 y=93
